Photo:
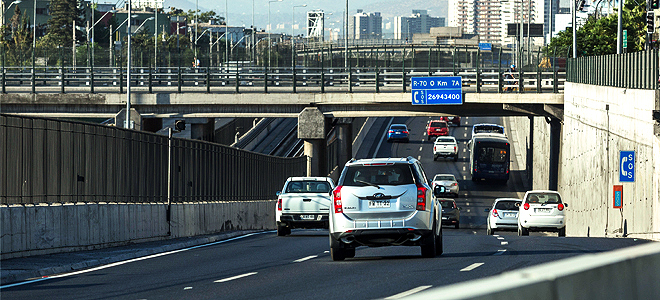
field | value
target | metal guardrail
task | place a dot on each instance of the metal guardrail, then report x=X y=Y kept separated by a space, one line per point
x=637 y=70
x=256 y=79
x=54 y=161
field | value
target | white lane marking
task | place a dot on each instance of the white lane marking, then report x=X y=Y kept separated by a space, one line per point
x=504 y=243
x=187 y=288
x=305 y=258
x=471 y=267
x=326 y=251
x=130 y=260
x=465 y=134
x=235 y=277
x=383 y=138
x=496 y=235
x=420 y=148
x=419 y=157
x=500 y=252
x=409 y=292
x=500 y=238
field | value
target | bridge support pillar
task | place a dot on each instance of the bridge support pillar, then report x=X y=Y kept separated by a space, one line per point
x=202 y=128
x=311 y=129
x=530 y=154
x=344 y=129
x=555 y=146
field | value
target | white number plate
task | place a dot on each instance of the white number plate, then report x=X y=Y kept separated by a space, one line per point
x=307 y=217
x=379 y=203
x=509 y=215
x=543 y=210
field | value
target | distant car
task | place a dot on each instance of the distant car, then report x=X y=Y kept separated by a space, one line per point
x=456 y=120
x=436 y=128
x=398 y=132
x=503 y=215
x=384 y=202
x=541 y=211
x=451 y=214
x=448 y=181
x=487 y=128
x=445 y=146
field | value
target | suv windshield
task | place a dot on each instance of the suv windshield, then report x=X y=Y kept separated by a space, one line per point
x=444 y=140
x=544 y=198
x=393 y=174
x=308 y=187
x=507 y=205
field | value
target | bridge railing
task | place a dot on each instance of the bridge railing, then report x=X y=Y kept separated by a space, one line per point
x=257 y=79
x=54 y=161
x=637 y=70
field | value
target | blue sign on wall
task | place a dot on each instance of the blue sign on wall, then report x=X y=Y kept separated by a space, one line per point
x=485 y=46
x=436 y=90
x=627 y=166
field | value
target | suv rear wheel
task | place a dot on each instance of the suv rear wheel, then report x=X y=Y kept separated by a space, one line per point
x=562 y=232
x=283 y=230
x=430 y=248
x=522 y=231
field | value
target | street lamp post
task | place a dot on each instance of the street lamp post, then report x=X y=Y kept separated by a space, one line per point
x=293 y=9
x=226 y=36
x=7 y=9
x=346 y=38
x=128 y=67
x=155 y=35
x=91 y=37
x=270 y=29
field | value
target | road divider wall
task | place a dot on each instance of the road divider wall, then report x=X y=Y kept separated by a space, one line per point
x=629 y=273
x=52 y=228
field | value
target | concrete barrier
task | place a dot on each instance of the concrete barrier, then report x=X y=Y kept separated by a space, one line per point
x=52 y=228
x=629 y=273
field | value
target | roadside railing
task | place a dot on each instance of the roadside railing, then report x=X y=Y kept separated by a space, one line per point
x=637 y=70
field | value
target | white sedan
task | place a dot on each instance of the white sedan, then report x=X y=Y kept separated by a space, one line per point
x=448 y=181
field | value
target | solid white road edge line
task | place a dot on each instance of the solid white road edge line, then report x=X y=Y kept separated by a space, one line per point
x=235 y=277
x=130 y=261
x=305 y=258
x=471 y=267
x=409 y=292
x=384 y=137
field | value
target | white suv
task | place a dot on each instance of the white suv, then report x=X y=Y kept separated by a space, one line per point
x=384 y=202
x=541 y=211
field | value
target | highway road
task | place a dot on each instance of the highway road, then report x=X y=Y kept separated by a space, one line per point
x=264 y=266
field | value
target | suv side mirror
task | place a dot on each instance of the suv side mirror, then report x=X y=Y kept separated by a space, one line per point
x=565 y=204
x=439 y=190
x=278 y=193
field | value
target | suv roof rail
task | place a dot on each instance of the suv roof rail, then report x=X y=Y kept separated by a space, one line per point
x=409 y=158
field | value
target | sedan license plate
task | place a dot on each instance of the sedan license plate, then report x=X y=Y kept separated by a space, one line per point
x=543 y=210
x=307 y=217
x=379 y=203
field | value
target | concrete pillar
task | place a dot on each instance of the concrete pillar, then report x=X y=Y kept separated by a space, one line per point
x=136 y=119
x=530 y=154
x=344 y=129
x=311 y=129
x=555 y=146
x=152 y=124
x=202 y=128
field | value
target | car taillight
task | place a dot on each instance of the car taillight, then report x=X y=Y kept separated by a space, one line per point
x=454 y=184
x=421 y=197
x=495 y=213
x=336 y=199
x=279 y=204
x=560 y=206
x=526 y=206
x=454 y=148
x=391 y=131
x=406 y=132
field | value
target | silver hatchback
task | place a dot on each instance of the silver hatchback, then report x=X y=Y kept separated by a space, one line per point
x=384 y=202
x=503 y=215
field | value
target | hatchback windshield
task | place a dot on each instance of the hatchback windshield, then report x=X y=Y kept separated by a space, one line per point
x=393 y=174
x=438 y=124
x=507 y=205
x=444 y=177
x=308 y=187
x=544 y=198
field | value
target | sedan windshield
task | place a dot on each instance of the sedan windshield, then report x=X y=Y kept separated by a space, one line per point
x=444 y=178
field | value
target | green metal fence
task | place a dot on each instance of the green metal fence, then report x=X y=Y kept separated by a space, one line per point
x=54 y=161
x=638 y=70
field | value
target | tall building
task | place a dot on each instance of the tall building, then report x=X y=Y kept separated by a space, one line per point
x=365 y=26
x=418 y=22
x=489 y=19
x=141 y=4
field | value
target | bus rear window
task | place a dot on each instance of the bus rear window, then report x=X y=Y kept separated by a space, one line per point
x=492 y=155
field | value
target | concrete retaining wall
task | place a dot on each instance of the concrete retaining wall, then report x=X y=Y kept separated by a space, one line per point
x=629 y=273
x=598 y=123
x=42 y=229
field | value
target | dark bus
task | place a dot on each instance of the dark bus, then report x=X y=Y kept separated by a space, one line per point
x=489 y=157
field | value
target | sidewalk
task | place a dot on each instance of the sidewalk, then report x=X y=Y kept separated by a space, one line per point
x=19 y=269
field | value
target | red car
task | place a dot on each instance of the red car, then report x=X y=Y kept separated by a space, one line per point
x=456 y=120
x=437 y=128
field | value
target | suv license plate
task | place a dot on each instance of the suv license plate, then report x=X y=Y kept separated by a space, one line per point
x=307 y=217
x=379 y=203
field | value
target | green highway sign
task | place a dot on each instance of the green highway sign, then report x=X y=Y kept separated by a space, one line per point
x=625 y=38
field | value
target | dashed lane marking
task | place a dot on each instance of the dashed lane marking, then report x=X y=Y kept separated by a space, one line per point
x=409 y=292
x=500 y=238
x=420 y=148
x=504 y=243
x=235 y=277
x=500 y=252
x=471 y=267
x=305 y=258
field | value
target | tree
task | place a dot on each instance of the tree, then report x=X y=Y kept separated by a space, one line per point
x=60 y=25
x=202 y=17
x=18 y=48
x=598 y=36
